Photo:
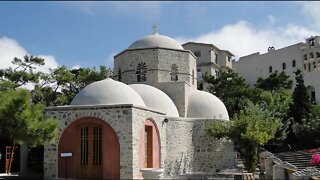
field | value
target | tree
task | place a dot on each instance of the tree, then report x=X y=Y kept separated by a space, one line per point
x=250 y=129
x=21 y=121
x=62 y=84
x=301 y=104
x=300 y=109
x=22 y=73
x=275 y=82
x=231 y=89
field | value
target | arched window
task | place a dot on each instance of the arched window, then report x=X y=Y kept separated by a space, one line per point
x=174 y=72
x=283 y=66
x=294 y=63
x=119 y=74
x=141 y=72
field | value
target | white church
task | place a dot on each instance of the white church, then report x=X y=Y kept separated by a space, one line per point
x=151 y=115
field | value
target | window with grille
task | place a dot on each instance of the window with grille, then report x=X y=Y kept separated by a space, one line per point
x=84 y=146
x=141 y=72
x=174 y=72
x=97 y=146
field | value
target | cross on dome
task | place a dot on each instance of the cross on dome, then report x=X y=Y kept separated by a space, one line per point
x=155 y=28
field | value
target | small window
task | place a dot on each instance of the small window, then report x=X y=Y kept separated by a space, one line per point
x=217 y=73
x=305 y=57
x=174 y=72
x=119 y=75
x=216 y=58
x=192 y=77
x=311 y=55
x=311 y=42
x=313 y=96
x=283 y=66
x=318 y=55
x=309 y=67
x=294 y=63
x=270 y=69
x=229 y=58
x=305 y=67
x=141 y=72
x=314 y=65
x=197 y=53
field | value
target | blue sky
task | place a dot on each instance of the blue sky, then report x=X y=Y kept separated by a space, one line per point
x=88 y=34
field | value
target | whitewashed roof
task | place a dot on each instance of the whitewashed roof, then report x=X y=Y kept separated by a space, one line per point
x=156 y=99
x=107 y=92
x=205 y=105
x=156 y=40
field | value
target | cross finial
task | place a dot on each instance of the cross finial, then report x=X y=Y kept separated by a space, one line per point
x=155 y=28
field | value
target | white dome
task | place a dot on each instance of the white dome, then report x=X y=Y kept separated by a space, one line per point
x=107 y=92
x=156 y=99
x=155 y=40
x=205 y=105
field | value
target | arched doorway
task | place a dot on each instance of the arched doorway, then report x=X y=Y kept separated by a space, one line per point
x=149 y=146
x=95 y=150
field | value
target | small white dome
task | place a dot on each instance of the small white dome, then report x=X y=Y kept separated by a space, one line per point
x=205 y=105
x=155 y=40
x=107 y=92
x=156 y=99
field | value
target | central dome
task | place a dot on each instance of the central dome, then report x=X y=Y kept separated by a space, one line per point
x=156 y=40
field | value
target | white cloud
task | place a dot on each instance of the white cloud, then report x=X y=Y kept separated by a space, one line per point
x=311 y=9
x=271 y=19
x=50 y=62
x=243 y=39
x=76 y=67
x=10 y=48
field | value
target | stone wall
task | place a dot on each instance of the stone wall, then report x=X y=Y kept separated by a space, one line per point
x=158 y=62
x=184 y=146
x=118 y=117
x=139 y=117
x=189 y=150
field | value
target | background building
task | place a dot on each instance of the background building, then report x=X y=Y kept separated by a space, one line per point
x=210 y=60
x=303 y=56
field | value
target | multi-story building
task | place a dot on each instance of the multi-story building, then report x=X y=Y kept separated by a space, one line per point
x=210 y=60
x=303 y=56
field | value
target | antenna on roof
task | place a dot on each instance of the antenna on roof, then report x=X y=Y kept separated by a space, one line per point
x=155 y=28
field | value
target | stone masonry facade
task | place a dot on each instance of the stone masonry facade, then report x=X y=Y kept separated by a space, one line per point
x=184 y=146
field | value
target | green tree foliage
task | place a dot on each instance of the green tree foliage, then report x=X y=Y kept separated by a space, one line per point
x=231 y=89
x=65 y=84
x=250 y=129
x=22 y=121
x=301 y=105
x=22 y=73
x=275 y=82
x=305 y=118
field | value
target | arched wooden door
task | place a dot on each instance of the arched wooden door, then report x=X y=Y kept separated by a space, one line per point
x=89 y=145
x=95 y=150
